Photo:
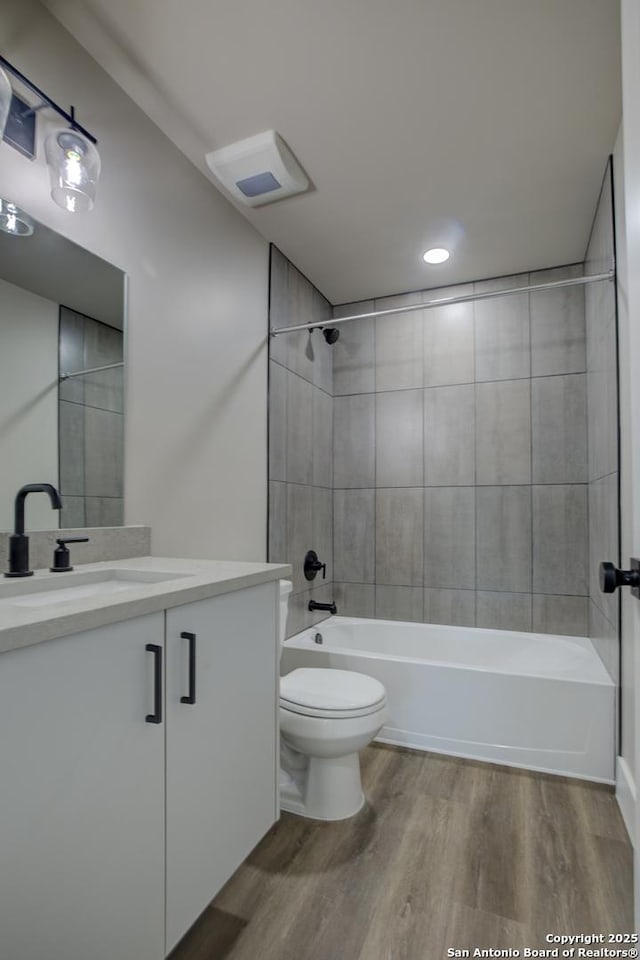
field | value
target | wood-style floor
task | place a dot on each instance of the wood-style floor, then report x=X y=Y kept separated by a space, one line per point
x=447 y=853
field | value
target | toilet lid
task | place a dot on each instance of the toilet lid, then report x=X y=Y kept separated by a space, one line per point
x=328 y=690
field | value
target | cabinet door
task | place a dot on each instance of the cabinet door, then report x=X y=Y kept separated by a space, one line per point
x=81 y=798
x=221 y=750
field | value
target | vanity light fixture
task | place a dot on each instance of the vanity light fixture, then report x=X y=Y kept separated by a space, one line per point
x=74 y=162
x=436 y=255
x=14 y=221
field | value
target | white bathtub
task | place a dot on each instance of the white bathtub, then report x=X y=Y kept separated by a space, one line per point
x=522 y=699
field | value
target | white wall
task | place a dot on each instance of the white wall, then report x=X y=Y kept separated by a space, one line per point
x=195 y=447
x=28 y=401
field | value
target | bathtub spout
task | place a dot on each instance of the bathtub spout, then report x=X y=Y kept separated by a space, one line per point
x=329 y=607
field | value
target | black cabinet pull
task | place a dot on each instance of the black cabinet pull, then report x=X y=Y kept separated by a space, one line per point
x=191 y=637
x=156 y=650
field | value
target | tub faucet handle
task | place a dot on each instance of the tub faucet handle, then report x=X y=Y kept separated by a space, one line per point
x=312 y=565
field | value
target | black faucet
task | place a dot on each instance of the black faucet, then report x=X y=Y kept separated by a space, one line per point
x=18 y=542
x=329 y=607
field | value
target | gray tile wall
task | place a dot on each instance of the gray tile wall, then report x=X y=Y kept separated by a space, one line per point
x=301 y=441
x=468 y=472
x=91 y=424
x=460 y=460
x=602 y=415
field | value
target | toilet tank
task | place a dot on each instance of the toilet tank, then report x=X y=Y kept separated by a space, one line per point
x=285 y=590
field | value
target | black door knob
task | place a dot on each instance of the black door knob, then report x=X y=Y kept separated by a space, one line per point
x=611 y=577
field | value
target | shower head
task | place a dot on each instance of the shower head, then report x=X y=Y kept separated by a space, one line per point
x=330 y=334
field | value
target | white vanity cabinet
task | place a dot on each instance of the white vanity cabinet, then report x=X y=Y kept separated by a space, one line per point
x=221 y=750
x=116 y=832
x=81 y=798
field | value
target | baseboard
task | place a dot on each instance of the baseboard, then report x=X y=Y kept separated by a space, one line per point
x=626 y=796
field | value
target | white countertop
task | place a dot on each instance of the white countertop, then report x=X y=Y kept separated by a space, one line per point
x=23 y=626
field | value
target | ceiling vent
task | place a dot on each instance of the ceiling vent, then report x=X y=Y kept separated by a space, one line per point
x=258 y=170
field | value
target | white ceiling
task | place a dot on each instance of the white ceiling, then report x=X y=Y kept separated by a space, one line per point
x=480 y=124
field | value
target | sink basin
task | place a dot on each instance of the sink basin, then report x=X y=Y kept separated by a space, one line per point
x=65 y=587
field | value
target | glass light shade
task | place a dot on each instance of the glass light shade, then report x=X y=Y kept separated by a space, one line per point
x=74 y=168
x=14 y=221
x=5 y=100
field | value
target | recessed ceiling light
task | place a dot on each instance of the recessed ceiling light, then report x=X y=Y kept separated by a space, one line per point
x=436 y=255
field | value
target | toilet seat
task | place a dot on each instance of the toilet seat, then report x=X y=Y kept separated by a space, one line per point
x=332 y=694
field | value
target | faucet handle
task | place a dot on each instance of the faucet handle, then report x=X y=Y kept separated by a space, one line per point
x=61 y=555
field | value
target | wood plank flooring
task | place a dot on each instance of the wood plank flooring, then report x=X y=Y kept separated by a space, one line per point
x=446 y=853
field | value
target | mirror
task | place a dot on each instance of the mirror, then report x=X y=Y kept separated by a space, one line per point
x=62 y=311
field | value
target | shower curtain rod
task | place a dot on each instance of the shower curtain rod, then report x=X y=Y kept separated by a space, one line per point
x=488 y=295
x=82 y=373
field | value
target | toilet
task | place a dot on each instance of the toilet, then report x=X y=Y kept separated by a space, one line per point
x=326 y=717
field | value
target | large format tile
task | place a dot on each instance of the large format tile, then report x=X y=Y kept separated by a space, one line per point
x=299 y=429
x=602 y=401
x=504 y=538
x=104 y=452
x=72 y=448
x=603 y=540
x=558 y=338
x=73 y=512
x=399 y=426
x=449 y=538
x=355 y=599
x=559 y=429
x=277 y=421
x=560 y=539
x=300 y=348
x=322 y=530
x=503 y=611
x=71 y=354
x=354 y=441
x=105 y=389
x=502 y=331
x=399 y=603
x=399 y=344
x=454 y=607
x=277 y=530
x=104 y=511
x=354 y=352
x=322 y=438
x=503 y=432
x=102 y=345
x=299 y=531
x=449 y=436
x=449 y=355
x=566 y=616
x=353 y=535
x=322 y=373
x=399 y=537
